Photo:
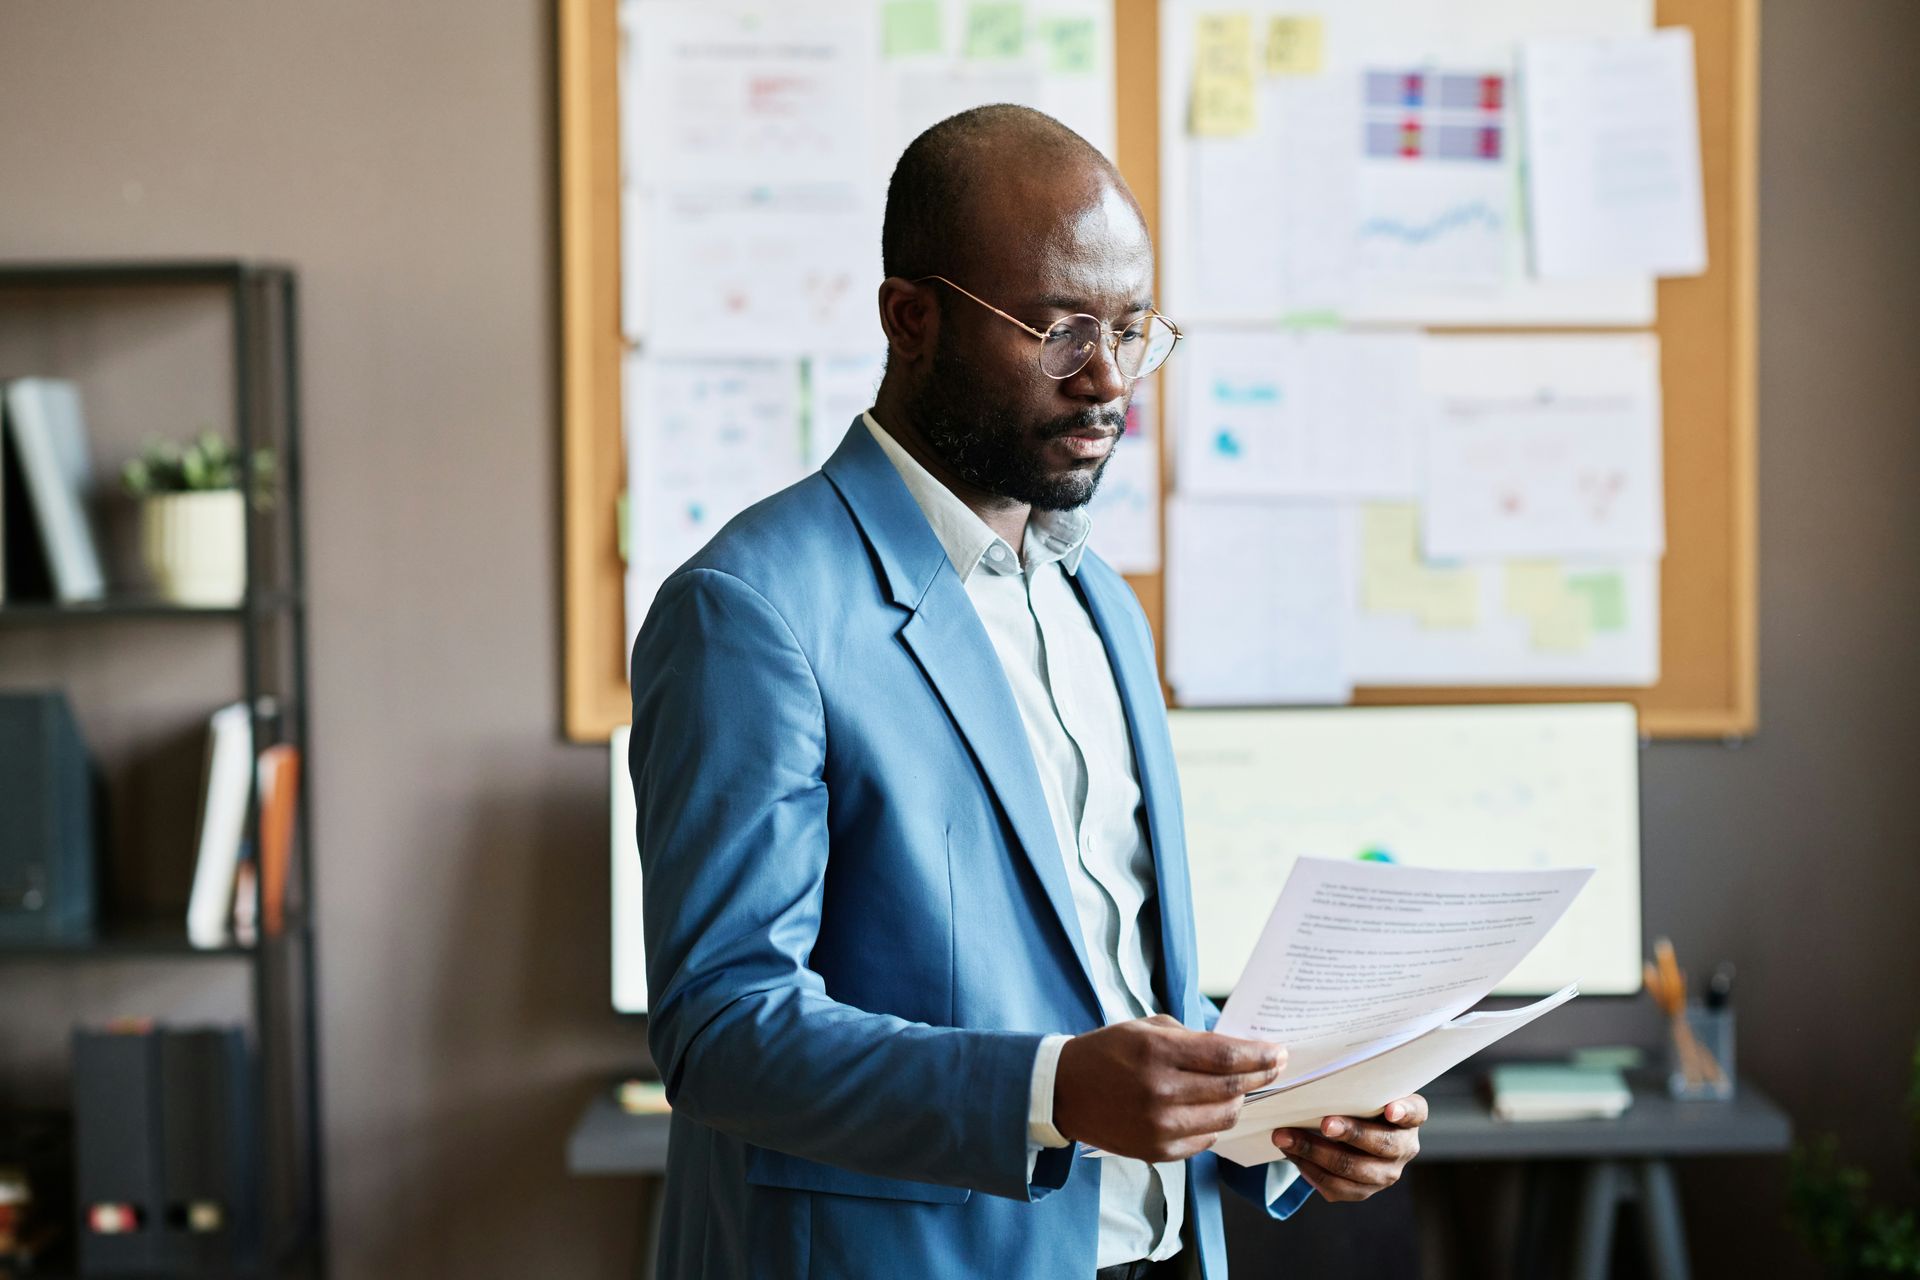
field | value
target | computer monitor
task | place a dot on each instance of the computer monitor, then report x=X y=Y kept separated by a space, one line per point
x=1493 y=787
x=629 y=941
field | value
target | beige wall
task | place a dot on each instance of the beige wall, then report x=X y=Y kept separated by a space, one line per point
x=401 y=156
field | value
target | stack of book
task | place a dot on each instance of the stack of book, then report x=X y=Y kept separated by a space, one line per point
x=228 y=878
x=1558 y=1091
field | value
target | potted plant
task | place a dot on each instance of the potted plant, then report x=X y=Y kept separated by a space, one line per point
x=1851 y=1232
x=193 y=516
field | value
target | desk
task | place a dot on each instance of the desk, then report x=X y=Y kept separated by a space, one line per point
x=1620 y=1159
x=1624 y=1159
x=608 y=1141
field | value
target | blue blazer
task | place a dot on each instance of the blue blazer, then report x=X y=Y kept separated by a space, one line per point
x=858 y=924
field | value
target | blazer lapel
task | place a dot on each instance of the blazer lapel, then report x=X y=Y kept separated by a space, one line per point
x=1139 y=685
x=945 y=636
x=952 y=647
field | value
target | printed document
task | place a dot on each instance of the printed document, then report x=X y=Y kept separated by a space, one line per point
x=1363 y=971
x=1613 y=145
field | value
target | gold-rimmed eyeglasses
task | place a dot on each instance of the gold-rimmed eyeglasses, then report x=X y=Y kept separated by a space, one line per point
x=1068 y=344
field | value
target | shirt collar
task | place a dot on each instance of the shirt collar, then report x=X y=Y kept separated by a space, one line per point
x=968 y=540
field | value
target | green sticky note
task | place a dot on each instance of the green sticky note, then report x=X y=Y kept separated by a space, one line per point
x=996 y=32
x=910 y=28
x=1606 y=594
x=1070 y=45
x=1323 y=318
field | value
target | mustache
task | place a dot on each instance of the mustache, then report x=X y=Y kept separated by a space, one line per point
x=1112 y=419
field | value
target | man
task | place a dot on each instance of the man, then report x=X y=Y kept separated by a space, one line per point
x=917 y=906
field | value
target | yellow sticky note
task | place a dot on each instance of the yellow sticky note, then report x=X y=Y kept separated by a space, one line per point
x=1534 y=587
x=1449 y=599
x=1389 y=558
x=1293 y=45
x=1566 y=625
x=1390 y=531
x=1395 y=579
x=1223 y=105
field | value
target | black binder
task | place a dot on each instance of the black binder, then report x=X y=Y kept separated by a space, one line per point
x=164 y=1147
x=50 y=798
x=206 y=1160
x=116 y=1120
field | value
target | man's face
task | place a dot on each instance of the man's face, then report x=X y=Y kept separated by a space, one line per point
x=983 y=405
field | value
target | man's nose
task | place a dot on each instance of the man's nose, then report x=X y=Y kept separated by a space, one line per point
x=1100 y=381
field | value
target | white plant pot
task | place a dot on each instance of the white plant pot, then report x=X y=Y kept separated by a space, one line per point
x=195 y=545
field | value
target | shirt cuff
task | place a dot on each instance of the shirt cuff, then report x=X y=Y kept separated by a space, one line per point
x=1286 y=1189
x=1040 y=1130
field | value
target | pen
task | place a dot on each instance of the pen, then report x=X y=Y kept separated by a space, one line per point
x=1720 y=986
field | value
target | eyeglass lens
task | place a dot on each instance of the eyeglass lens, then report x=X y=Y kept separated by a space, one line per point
x=1140 y=348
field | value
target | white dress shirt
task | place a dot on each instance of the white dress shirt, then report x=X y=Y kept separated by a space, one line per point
x=1076 y=727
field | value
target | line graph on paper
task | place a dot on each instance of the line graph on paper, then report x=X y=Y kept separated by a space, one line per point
x=1474 y=215
x=1437 y=180
x=1414 y=228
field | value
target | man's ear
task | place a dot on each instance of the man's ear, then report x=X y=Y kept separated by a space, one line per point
x=911 y=319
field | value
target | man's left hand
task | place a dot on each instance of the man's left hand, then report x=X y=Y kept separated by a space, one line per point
x=1350 y=1159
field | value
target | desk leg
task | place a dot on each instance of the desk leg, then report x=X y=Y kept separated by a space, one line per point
x=1593 y=1235
x=1533 y=1237
x=1660 y=1220
x=653 y=1203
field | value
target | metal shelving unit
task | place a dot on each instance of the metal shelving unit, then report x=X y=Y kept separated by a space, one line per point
x=262 y=298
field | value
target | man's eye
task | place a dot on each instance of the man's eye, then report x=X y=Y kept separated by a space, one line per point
x=1134 y=334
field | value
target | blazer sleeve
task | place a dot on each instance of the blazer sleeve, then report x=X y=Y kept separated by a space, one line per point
x=727 y=754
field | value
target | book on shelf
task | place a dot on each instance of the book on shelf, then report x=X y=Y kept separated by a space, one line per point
x=48 y=435
x=226 y=780
x=260 y=884
x=240 y=891
x=279 y=793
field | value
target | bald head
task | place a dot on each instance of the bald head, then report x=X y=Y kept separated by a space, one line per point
x=998 y=176
x=1026 y=225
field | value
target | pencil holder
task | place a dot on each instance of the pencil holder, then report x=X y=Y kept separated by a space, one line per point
x=1700 y=1053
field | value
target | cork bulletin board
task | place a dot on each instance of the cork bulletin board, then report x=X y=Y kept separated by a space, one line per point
x=1706 y=327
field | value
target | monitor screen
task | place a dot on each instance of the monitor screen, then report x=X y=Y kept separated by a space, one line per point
x=629 y=942
x=1497 y=788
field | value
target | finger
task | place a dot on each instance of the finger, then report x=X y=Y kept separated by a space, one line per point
x=1332 y=1186
x=1186 y=1148
x=1226 y=1055
x=1409 y=1112
x=1195 y=1086
x=1303 y=1146
x=1373 y=1137
x=1199 y=1120
x=1181 y=1132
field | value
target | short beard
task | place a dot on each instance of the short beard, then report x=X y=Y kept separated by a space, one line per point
x=985 y=443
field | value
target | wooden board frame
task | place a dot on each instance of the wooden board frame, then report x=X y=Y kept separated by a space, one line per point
x=1707 y=328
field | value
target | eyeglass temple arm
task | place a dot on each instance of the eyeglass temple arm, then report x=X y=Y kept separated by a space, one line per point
x=1177 y=335
x=988 y=305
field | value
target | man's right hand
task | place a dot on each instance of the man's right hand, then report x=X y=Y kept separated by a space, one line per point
x=1155 y=1090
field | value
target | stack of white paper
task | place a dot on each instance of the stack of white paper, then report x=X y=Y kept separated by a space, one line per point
x=1363 y=972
